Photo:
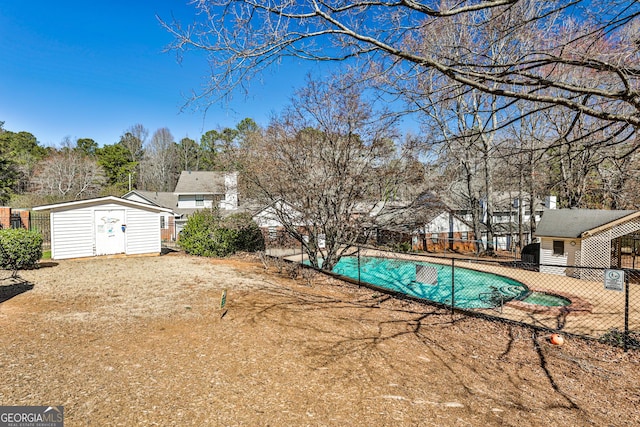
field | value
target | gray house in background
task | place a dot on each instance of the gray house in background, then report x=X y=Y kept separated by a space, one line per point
x=585 y=238
x=204 y=189
x=195 y=190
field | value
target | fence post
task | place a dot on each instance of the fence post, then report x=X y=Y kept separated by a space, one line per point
x=626 y=313
x=453 y=287
x=358 y=266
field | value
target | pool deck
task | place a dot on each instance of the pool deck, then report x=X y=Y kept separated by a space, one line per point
x=593 y=311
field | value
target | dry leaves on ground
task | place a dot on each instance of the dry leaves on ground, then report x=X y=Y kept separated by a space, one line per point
x=142 y=341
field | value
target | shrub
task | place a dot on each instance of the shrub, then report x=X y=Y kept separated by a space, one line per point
x=248 y=237
x=207 y=234
x=196 y=236
x=19 y=249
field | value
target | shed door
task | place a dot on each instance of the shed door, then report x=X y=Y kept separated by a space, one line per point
x=109 y=233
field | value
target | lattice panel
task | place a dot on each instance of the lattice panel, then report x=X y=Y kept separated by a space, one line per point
x=596 y=249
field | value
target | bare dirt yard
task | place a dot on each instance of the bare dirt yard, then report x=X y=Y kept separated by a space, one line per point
x=142 y=341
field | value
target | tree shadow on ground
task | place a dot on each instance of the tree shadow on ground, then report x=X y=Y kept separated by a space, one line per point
x=13 y=286
x=545 y=367
x=408 y=319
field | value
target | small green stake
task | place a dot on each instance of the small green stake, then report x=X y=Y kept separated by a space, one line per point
x=223 y=299
x=223 y=302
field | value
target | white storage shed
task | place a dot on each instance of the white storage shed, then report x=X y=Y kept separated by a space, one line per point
x=103 y=226
x=582 y=238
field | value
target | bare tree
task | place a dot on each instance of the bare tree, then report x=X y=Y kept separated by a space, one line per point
x=160 y=162
x=523 y=157
x=68 y=174
x=619 y=174
x=555 y=40
x=319 y=165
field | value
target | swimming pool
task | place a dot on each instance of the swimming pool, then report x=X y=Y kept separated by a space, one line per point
x=420 y=279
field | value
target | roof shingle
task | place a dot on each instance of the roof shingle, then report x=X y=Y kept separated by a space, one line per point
x=572 y=223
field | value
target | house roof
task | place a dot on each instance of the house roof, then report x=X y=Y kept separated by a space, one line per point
x=200 y=182
x=503 y=201
x=159 y=198
x=576 y=223
x=100 y=201
x=407 y=218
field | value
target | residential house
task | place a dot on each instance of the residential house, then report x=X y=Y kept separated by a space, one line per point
x=204 y=189
x=195 y=190
x=436 y=227
x=270 y=220
x=511 y=216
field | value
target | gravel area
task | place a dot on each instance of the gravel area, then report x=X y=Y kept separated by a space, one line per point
x=143 y=341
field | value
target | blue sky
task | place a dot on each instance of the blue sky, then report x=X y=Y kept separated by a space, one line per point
x=92 y=69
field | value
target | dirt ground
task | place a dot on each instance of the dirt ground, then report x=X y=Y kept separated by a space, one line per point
x=143 y=341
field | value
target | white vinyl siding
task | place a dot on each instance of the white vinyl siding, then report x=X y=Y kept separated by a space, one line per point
x=441 y=224
x=72 y=234
x=189 y=201
x=143 y=232
x=207 y=201
x=73 y=228
x=568 y=258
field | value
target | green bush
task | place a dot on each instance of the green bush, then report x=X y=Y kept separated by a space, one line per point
x=248 y=236
x=19 y=249
x=207 y=234
x=195 y=237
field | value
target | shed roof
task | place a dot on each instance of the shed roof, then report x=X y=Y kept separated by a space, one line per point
x=100 y=201
x=200 y=182
x=575 y=223
x=164 y=199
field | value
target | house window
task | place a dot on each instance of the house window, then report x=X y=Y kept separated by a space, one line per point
x=163 y=222
x=199 y=200
x=434 y=237
x=464 y=235
x=558 y=247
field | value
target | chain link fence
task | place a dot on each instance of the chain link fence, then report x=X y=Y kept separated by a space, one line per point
x=606 y=307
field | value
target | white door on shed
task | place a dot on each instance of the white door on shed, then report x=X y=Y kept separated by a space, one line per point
x=109 y=231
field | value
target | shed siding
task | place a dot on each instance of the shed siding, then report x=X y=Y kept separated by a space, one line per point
x=569 y=258
x=73 y=231
x=107 y=206
x=72 y=234
x=143 y=232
